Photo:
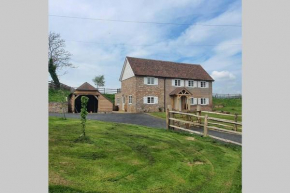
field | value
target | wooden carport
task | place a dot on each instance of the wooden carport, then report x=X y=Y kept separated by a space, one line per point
x=97 y=102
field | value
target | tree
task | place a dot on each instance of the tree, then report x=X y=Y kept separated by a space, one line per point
x=84 y=112
x=58 y=57
x=99 y=81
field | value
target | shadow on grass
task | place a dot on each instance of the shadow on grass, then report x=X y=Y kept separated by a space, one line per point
x=65 y=189
x=83 y=139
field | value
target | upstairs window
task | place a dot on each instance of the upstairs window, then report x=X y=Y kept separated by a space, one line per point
x=190 y=83
x=177 y=82
x=150 y=80
x=130 y=99
x=202 y=84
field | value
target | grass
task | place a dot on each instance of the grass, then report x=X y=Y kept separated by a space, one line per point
x=57 y=95
x=111 y=97
x=128 y=158
x=229 y=105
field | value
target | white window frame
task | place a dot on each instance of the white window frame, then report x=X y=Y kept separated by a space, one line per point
x=202 y=84
x=191 y=101
x=118 y=101
x=192 y=83
x=203 y=101
x=176 y=81
x=130 y=99
x=150 y=81
x=150 y=100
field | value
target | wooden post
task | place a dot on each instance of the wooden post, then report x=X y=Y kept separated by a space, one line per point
x=73 y=103
x=205 y=126
x=167 y=118
x=236 y=120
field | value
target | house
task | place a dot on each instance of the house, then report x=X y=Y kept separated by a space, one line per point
x=152 y=85
x=97 y=102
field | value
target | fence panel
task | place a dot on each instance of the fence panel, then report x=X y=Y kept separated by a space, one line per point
x=176 y=120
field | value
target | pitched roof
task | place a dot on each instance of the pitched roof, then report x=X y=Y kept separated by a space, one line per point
x=178 y=90
x=158 y=68
x=86 y=86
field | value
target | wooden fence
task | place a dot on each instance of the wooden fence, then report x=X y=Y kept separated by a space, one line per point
x=183 y=121
x=227 y=96
x=109 y=90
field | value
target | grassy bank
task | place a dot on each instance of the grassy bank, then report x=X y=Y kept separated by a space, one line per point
x=128 y=158
x=57 y=95
x=111 y=97
x=228 y=105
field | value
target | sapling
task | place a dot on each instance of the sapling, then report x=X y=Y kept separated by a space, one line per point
x=84 y=112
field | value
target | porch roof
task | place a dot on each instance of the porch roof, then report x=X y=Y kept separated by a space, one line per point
x=180 y=91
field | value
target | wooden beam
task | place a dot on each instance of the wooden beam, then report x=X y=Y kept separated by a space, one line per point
x=225 y=121
x=188 y=130
x=190 y=114
x=77 y=96
x=205 y=126
x=211 y=136
x=224 y=130
x=183 y=121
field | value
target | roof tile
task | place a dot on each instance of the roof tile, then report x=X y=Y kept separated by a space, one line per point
x=158 y=68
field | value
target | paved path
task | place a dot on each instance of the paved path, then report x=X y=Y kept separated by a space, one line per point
x=145 y=120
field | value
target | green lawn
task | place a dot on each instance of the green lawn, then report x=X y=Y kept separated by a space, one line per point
x=229 y=105
x=129 y=158
x=57 y=95
x=111 y=97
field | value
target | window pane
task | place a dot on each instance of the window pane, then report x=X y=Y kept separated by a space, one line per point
x=148 y=99
x=152 y=99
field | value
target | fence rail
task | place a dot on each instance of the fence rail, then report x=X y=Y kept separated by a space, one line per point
x=183 y=121
x=227 y=96
x=109 y=90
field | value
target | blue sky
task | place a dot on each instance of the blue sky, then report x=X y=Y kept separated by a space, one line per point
x=100 y=47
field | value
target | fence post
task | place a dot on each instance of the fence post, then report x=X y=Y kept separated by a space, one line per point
x=236 y=120
x=167 y=118
x=205 y=126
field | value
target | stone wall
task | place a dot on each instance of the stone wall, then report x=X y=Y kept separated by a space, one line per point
x=128 y=88
x=56 y=107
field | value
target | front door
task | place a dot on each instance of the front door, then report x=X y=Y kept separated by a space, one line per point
x=183 y=103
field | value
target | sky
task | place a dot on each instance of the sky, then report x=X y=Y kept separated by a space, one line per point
x=211 y=36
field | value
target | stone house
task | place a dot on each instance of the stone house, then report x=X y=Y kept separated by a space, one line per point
x=152 y=85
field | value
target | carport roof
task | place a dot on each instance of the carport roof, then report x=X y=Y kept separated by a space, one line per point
x=87 y=87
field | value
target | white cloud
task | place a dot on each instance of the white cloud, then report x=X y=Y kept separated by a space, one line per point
x=222 y=75
x=168 y=42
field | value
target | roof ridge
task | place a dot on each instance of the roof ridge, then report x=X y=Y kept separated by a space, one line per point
x=163 y=61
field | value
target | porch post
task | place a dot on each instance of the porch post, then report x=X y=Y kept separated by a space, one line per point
x=73 y=103
x=178 y=102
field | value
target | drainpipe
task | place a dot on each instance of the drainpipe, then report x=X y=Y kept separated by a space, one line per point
x=164 y=94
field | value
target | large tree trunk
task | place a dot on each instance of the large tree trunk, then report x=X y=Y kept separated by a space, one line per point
x=52 y=72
